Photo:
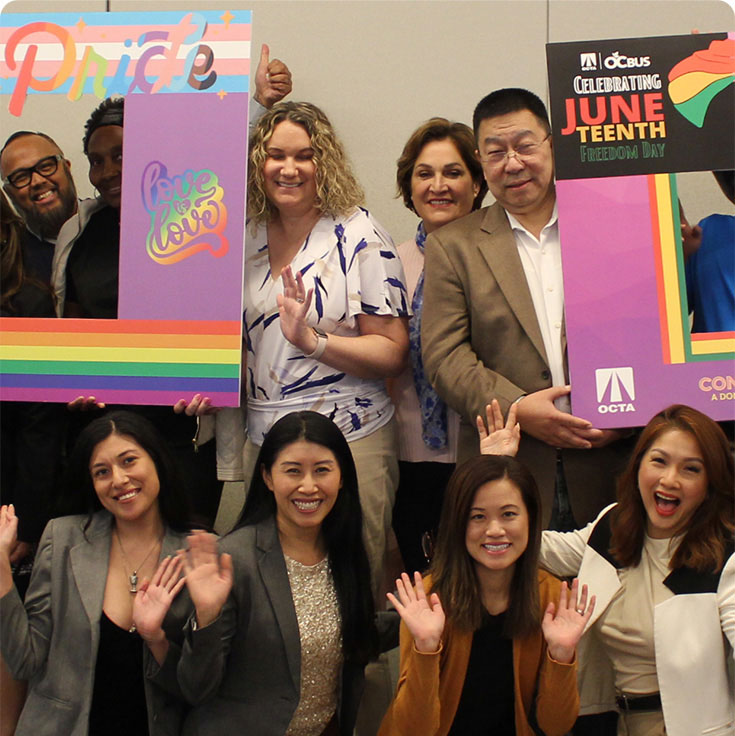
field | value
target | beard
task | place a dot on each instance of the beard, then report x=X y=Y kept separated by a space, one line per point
x=47 y=223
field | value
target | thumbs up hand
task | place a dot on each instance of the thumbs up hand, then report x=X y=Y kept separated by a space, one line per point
x=272 y=79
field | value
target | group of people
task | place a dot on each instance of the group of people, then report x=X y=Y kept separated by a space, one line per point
x=384 y=386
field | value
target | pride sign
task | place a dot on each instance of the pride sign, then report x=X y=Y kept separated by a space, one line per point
x=122 y=53
x=185 y=78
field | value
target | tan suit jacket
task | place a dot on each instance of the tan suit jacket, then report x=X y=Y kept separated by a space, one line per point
x=481 y=340
x=430 y=685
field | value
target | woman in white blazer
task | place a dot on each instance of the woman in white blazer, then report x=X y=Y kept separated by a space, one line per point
x=662 y=565
x=92 y=622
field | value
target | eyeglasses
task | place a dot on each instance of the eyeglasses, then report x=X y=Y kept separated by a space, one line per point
x=45 y=167
x=522 y=152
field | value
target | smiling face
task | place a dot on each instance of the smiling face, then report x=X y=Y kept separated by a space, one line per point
x=104 y=153
x=441 y=185
x=497 y=528
x=125 y=478
x=672 y=481
x=305 y=479
x=522 y=185
x=289 y=170
x=47 y=202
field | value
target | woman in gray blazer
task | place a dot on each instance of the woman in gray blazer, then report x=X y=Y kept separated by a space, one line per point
x=98 y=591
x=284 y=620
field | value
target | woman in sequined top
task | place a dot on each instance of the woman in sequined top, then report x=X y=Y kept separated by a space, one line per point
x=284 y=617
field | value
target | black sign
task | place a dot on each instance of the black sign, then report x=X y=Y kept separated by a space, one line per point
x=642 y=105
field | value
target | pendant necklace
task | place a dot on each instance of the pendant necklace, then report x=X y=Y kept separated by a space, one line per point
x=133 y=576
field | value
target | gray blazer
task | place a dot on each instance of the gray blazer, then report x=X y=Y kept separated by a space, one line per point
x=243 y=671
x=53 y=640
x=481 y=340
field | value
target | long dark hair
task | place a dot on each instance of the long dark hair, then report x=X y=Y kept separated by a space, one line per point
x=79 y=494
x=711 y=526
x=341 y=529
x=13 y=275
x=453 y=570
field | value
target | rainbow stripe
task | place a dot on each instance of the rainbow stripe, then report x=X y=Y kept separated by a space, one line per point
x=678 y=344
x=120 y=361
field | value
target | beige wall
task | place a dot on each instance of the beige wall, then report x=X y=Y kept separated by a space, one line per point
x=380 y=68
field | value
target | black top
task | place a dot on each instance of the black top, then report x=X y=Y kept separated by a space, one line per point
x=94 y=265
x=35 y=298
x=118 y=699
x=487 y=704
x=31 y=434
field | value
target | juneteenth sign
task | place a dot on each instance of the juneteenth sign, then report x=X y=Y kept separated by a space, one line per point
x=644 y=105
x=185 y=79
x=627 y=115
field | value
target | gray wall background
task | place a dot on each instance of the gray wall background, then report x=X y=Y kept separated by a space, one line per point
x=381 y=67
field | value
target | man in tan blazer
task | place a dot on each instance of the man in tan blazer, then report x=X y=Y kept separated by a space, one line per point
x=493 y=323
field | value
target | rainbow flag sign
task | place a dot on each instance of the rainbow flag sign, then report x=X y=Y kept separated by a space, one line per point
x=627 y=115
x=185 y=78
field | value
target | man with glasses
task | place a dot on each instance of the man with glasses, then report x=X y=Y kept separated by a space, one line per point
x=493 y=322
x=37 y=178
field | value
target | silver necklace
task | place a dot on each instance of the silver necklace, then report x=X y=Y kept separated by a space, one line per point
x=133 y=576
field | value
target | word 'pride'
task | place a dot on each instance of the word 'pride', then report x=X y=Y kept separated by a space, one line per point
x=127 y=77
x=187 y=214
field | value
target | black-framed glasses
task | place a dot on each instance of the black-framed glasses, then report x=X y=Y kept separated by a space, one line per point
x=45 y=167
x=522 y=152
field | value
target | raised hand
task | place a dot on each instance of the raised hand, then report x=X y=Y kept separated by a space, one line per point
x=272 y=79
x=563 y=627
x=8 y=542
x=293 y=306
x=423 y=617
x=499 y=438
x=197 y=407
x=8 y=530
x=208 y=576
x=85 y=403
x=154 y=598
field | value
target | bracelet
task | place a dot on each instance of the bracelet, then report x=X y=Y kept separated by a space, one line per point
x=321 y=345
x=518 y=400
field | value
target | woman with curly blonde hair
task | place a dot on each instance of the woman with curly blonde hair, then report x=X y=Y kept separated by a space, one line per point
x=337 y=190
x=325 y=304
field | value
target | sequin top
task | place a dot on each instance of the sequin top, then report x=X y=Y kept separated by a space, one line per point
x=317 y=612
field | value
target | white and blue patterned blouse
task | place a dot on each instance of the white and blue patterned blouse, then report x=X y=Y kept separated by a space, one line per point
x=352 y=265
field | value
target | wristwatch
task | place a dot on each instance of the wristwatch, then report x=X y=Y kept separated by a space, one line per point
x=321 y=344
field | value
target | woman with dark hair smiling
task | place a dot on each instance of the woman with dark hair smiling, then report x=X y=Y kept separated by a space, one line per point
x=282 y=647
x=487 y=650
x=102 y=585
x=662 y=562
x=440 y=179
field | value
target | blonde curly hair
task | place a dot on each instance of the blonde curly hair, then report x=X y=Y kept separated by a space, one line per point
x=337 y=190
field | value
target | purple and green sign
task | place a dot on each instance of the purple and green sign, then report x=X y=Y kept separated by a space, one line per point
x=185 y=78
x=627 y=115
